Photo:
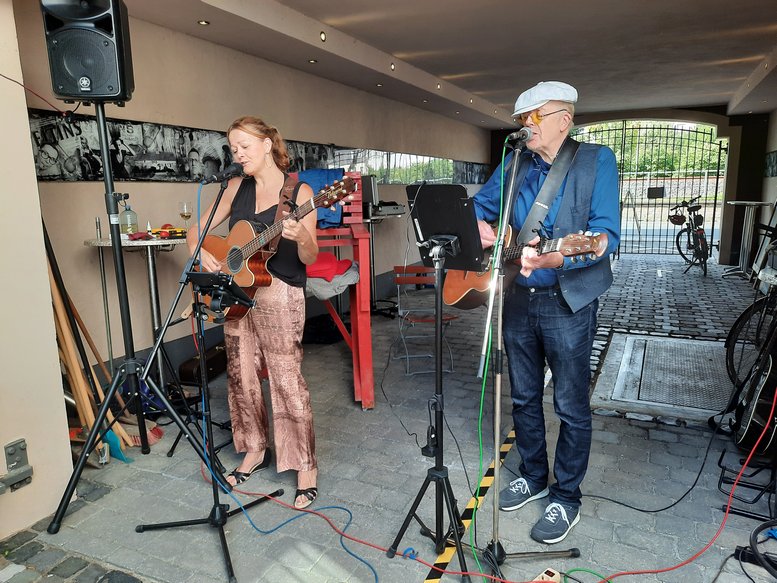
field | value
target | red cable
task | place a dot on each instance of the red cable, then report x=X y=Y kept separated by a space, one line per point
x=23 y=86
x=206 y=477
x=725 y=516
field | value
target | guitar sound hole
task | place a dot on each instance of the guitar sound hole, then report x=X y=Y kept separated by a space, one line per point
x=234 y=260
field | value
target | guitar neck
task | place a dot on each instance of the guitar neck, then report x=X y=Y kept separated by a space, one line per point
x=545 y=246
x=275 y=229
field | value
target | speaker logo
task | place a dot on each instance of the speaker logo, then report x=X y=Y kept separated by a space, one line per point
x=85 y=83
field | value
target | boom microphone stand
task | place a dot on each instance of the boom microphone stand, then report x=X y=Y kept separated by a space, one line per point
x=224 y=293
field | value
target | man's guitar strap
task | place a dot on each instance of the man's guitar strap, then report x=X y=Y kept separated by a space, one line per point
x=549 y=190
x=287 y=201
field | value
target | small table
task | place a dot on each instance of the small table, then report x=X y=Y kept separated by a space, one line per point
x=152 y=247
x=742 y=269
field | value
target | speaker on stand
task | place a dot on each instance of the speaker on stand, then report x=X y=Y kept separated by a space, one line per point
x=89 y=49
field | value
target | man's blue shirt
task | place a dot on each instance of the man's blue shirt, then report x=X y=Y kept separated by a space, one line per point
x=604 y=216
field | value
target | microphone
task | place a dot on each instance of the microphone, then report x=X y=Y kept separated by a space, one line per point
x=230 y=171
x=522 y=135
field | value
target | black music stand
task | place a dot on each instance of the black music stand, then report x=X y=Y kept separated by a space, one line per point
x=446 y=229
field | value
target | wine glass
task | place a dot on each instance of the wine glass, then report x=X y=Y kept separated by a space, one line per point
x=185 y=211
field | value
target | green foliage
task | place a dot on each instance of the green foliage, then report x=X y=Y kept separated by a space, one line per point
x=658 y=148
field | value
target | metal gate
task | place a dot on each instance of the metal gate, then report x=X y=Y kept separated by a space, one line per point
x=660 y=165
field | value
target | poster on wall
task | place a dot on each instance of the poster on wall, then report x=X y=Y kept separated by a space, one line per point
x=69 y=149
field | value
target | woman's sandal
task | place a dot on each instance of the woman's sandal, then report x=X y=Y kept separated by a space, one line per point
x=241 y=477
x=310 y=495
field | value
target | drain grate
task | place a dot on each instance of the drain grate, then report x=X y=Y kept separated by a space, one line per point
x=674 y=372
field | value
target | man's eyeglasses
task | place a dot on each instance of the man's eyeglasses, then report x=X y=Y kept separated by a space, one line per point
x=535 y=115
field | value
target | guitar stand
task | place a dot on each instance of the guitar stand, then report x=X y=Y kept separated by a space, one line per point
x=749 y=481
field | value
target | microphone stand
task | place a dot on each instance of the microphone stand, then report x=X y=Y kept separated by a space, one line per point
x=224 y=293
x=494 y=553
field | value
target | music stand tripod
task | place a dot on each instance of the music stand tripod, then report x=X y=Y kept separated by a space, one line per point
x=224 y=292
x=441 y=207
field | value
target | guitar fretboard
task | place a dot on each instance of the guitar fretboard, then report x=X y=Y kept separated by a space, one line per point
x=275 y=229
x=545 y=246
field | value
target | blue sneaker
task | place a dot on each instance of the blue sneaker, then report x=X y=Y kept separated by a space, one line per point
x=518 y=494
x=556 y=523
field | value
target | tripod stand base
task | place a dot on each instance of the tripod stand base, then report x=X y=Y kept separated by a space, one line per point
x=495 y=552
x=217 y=518
x=443 y=492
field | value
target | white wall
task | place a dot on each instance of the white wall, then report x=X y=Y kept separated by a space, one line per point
x=31 y=402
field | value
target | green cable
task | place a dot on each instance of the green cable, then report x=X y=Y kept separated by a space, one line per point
x=500 y=238
x=581 y=570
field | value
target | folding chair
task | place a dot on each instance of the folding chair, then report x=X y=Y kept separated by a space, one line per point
x=414 y=312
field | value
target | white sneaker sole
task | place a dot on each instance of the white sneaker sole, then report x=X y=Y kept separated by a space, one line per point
x=551 y=541
x=537 y=496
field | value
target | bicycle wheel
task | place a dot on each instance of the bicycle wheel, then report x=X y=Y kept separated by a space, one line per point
x=746 y=337
x=684 y=246
x=702 y=251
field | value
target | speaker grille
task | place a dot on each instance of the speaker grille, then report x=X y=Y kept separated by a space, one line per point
x=84 y=63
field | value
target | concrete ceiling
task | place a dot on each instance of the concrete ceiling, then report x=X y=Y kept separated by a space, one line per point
x=619 y=54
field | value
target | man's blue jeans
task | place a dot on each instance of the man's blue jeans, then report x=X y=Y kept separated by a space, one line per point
x=539 y=326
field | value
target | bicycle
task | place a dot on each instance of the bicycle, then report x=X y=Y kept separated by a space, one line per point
x=691 y=240
x=749 y=332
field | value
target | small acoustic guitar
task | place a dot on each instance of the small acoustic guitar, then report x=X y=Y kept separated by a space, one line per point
x=242 y=252
x=469 y=289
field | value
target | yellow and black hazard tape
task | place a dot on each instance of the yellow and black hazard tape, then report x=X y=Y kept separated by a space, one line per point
x=444 y=558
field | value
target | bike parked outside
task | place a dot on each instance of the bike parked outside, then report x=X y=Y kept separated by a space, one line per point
x=691 y=240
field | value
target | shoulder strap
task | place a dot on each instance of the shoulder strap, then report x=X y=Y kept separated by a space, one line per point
x=288 y=193
x=549 y=190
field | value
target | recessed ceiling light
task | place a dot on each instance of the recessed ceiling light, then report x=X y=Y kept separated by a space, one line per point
x=494 y=112
x=378 y=84
x=458 y=112
x=426 y=101
x=203 y=22
x=392 y=66
x=470 y=100
x=438 y=86
x=312 y=61
x=322 y=36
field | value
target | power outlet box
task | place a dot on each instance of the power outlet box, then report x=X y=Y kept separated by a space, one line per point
x=549 y=575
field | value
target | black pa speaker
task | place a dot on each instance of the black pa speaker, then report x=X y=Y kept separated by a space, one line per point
x=89 y=49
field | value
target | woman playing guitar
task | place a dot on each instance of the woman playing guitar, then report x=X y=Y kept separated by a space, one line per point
x=270 y=335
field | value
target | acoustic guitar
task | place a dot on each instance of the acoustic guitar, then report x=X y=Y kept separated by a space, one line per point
x=752 y=412
x=469 y=289
x=242 y=252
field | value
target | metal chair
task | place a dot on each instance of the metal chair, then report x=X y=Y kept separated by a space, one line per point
x=415 y=311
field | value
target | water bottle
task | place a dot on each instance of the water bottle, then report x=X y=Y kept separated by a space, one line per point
x=128 y=221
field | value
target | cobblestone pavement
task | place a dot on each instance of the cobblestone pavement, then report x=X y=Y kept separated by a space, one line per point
x=371 y=470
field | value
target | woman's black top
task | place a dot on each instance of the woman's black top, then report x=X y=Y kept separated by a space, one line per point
x=285 y=264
